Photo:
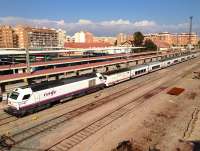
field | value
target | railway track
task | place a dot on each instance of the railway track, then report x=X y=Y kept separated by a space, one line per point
x=6 y=118
x=26 y=134
x=47 y=125
x=79 y=136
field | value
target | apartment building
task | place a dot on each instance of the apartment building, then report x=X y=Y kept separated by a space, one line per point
x=8 y=38
x=185 y=38
x=22 y=35
x=36 y=37
x=110 y=40
x=123 y=38
x=61 y=37
x=83 y=37
x=70 y=39
x=182 y=39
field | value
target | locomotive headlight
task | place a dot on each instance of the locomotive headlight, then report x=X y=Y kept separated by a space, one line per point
x=9 y=102
x=17 y=106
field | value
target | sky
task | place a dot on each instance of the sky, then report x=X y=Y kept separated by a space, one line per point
x=103 y=17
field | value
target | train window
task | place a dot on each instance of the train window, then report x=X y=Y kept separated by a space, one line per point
x=140 y=71
x=144 y=70
x=155 y=67
x=14 y=95
x=26 y=97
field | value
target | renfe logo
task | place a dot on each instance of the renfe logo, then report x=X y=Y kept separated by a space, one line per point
x=50 y=93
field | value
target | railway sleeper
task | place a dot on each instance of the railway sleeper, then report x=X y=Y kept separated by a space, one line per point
x=83 y=134
x=5 y=122
x=94 y=126
x=59 y=148
x=117 y=113
x=87 y=132
x=93 y=130
x=79 y=137
x=25 y=135
x=98 y=103
x=74 y=139
x=99 y=123
x=105 y=120
x=39 y=129
x=114 y=116
x=65 y=146
x=6 y=141
x=70 y=142
x=73 y=114
x=97 y=127
x=58 y=121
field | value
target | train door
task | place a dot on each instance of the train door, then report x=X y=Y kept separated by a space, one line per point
x=92 y=83
x=37 y=98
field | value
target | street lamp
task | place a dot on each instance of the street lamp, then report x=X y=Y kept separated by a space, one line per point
x=28 y=60
x=27 y=54
x=157 y=50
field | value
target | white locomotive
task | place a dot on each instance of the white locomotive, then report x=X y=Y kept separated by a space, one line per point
x=32 y=98
x=36 y=97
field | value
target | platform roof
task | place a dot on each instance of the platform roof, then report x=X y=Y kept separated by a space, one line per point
x=69 y=60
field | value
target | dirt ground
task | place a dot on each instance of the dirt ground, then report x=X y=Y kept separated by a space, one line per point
x=2 y=105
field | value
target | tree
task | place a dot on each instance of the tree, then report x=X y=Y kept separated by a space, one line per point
x=150 y=45
x=198 y=44
x=138 y=38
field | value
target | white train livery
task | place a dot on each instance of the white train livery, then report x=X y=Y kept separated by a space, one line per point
x=33 y=98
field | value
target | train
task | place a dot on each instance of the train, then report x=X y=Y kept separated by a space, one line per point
x=32 y=98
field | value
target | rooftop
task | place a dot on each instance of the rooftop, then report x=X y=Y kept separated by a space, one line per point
x=86 y=45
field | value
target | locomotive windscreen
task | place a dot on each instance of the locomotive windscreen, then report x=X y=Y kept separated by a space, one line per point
x=14 y=95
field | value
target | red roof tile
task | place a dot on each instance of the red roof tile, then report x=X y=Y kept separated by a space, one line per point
x=86 y=45
x=161 y=44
